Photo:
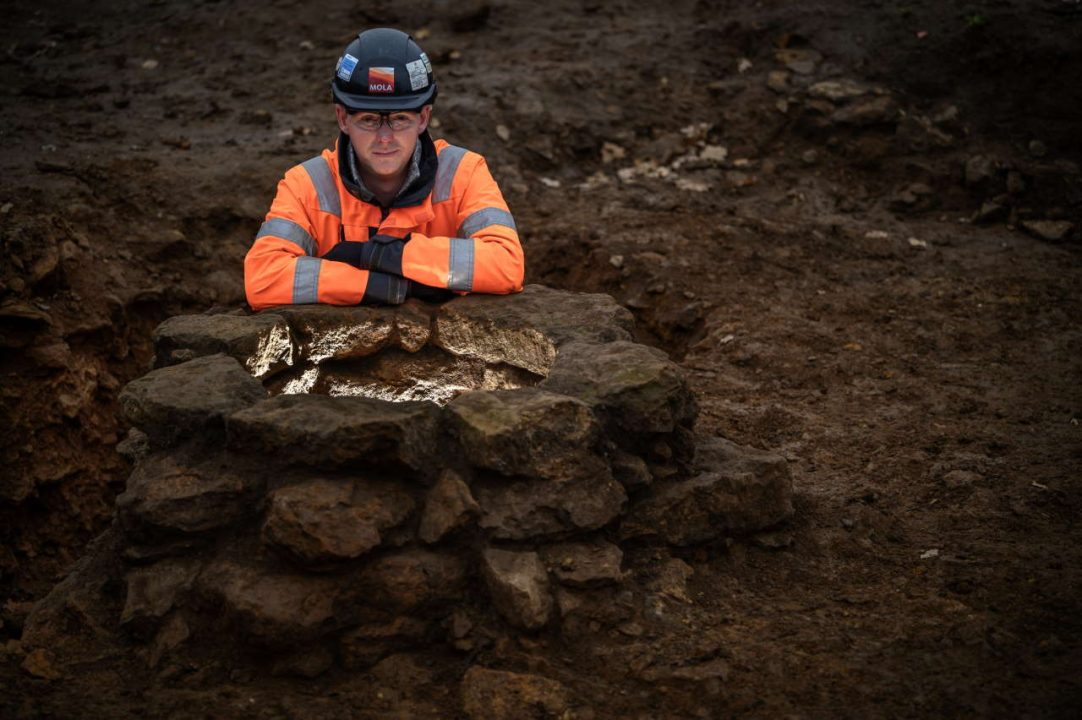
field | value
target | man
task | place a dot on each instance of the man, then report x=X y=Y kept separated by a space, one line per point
x=387 y=214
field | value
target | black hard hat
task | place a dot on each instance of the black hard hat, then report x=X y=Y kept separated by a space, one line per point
x=383 y=69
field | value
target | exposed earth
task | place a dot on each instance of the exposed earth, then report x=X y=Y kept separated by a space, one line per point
x=857 y=230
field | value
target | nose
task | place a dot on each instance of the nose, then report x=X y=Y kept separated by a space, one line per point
x=384 y=132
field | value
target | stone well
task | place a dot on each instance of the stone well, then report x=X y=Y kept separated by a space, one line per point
x=317 y=484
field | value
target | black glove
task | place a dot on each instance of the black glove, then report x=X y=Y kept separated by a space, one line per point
x=382 y=253
x=429 y=293
x=385 y=289
x=346 y=251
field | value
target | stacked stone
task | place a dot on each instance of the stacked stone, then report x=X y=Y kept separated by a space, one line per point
x=322 y=525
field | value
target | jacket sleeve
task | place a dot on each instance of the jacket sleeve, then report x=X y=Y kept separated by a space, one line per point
x=484 y=255
x=283 y=266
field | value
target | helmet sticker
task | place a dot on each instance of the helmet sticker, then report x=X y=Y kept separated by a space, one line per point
x=428 y=65
x=418 y=75
x=381 y=80
x=345 y=66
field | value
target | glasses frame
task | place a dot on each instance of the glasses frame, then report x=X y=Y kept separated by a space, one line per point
x=385 y=119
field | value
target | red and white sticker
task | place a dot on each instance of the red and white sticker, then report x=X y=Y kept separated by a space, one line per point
x=381 y=80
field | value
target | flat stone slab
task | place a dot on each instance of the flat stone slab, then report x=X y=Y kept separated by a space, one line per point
x=333 y=432
x=165 y=495
x=190 y=399
x=739 y=491
x=261 y=343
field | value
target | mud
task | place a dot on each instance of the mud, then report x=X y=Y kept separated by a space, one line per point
x=877 y=279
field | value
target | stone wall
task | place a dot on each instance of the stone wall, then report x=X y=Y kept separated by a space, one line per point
x=321 y=484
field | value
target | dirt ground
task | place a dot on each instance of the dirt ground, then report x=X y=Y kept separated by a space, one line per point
x=884 y=288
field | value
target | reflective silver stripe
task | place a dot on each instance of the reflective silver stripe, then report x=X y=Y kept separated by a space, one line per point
x=445 y=173
x=306 y=280
x=483 y=218
x=288 y=230
x=460 y=266
x=323 y=181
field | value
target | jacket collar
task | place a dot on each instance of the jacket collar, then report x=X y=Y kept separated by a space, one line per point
x=420 y=176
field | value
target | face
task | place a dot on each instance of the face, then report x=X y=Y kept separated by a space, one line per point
x=383 y=153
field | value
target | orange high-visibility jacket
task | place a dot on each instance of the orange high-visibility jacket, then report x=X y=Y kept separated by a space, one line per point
x=462 y=235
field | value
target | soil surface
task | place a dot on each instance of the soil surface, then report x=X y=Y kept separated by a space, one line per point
x=877 y=277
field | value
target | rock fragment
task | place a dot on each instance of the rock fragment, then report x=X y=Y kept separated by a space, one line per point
x=326 y=521
x=527 y=432
x=40 y=664
x=166 y=496
x=275 y=609
x=1051 y=230
x=519 y=587
x=154 y=590
x=411 y=580
x=527 y=509
x=739 y=491
x=876 y=110
x=333 y=332
x=449 y=506
x=636 y=388
x=367 y=644
x=837 y=90
x=585 y=564
x=496 y=695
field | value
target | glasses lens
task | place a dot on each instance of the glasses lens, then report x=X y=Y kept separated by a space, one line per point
x=400 y=121
x=370 y=122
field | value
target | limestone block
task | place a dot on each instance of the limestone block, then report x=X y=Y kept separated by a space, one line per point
x=261 y=343
x=526 y=509
x=524 y=329
x=637 y=389
x=411 y=579
x=273 y=608
x=739 y=490
x=585 y=564
x=367 y=644
x=325 y=520
x=449 y=506
x=165 y=494
x=336 y=332
x=519 y=586
x=154 y=590
x=189 y=399
x=331 y=432
x=527 y=432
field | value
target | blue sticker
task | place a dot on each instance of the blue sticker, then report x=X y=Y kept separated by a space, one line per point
x=345 y=66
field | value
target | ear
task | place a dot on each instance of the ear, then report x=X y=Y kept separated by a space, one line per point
x=342 y=115
x=426 y=115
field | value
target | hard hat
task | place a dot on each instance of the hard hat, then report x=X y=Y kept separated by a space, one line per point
x=383 y=69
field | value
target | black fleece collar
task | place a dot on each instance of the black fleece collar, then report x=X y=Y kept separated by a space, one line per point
x=412 y=194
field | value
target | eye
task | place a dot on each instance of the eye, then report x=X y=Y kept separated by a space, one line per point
x=367 y=121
